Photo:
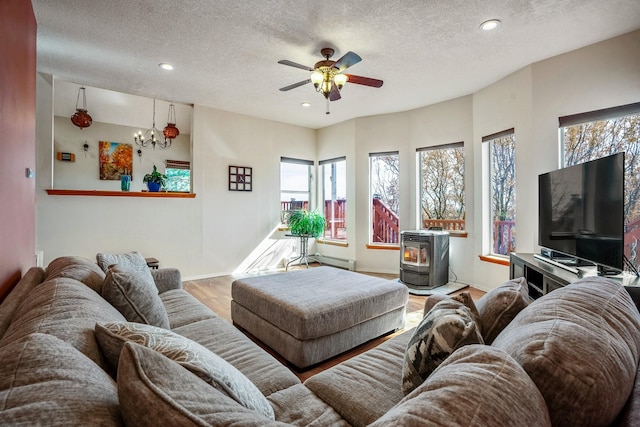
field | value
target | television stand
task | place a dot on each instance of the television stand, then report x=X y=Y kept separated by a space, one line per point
x=544 y=275
x=556 y=263
x=604 y=271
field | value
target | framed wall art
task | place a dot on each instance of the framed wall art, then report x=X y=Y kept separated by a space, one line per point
x=115 y=159
x=240 y=178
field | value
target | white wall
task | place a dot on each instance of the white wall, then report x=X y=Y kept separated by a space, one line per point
x=217 y=231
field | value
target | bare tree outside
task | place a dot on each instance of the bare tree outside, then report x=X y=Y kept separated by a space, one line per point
x=589 y=141
x=442 y=186
x=503 y=193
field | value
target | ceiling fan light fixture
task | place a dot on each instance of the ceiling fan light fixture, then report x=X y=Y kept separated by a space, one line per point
x=340 y=80
x=489 y=25
x=316 y=78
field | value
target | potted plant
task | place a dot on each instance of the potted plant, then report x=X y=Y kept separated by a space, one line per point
x=154 y=180
x=303 y=223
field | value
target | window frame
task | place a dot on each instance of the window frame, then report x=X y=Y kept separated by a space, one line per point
x=394 y=229
x=285 y=205
x=178 y=165
x=455 y=229
x=331 y=221
x=511 y=232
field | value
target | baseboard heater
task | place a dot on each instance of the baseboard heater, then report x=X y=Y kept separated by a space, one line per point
x=349 y=264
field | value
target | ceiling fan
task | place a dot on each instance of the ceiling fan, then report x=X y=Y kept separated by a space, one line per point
x=327 y=75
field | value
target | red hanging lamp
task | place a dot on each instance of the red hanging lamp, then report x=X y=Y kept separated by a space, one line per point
x=171 y=131
x=81 y=118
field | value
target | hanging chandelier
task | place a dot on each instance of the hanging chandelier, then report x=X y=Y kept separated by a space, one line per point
x=171 y=131
x=81 y=118
x=152 y=137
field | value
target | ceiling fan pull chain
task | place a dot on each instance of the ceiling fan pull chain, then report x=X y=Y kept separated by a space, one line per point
x=328 y=112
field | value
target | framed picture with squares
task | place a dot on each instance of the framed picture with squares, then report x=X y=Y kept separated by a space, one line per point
x=240 y=178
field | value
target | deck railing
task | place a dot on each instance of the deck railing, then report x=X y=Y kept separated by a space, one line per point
x=445 y=224
x=385 y=223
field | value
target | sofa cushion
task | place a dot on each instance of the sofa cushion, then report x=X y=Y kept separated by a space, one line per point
x=580 y=345
x=476 y=386
x=448 y=326
x=135 y=295
x=78 y=268
x=155 y=390
x=45 y=381
x=299 y=406
x=463 y=297
x=500 y=305
x=197 y=359
x=66 y=309
x=183 y=308
x=364 y=387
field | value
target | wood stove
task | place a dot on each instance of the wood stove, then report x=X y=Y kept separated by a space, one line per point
x=424 y=259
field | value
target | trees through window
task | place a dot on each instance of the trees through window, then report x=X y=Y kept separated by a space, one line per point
x=334 y=190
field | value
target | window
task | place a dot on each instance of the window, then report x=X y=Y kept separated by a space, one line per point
x=596 y=134
x=384 y=179
x=295 y=185
x=178 y=174
x=334 y=191
x=502 y=191
x=441 y=187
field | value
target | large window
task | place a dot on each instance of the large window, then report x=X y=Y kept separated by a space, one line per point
x=295 y=184
x=502 y=191
x=441 y=187
x=596 y=134
x=178 y=174
x=384 y=180
x=334 y=191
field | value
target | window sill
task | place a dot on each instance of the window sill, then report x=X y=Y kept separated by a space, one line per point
x=102 y=193
x=390 y=247
x=341 y=243
x=494 y=259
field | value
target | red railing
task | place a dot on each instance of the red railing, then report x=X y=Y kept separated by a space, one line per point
x=631 y=241
x=385 y=223
x=445 y=224
x=335 y=213
x=294 y=205
x=504 y=236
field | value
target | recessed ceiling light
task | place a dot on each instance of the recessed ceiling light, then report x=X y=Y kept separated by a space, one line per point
x=489 y=25
x=306 y=104
x=166 y=66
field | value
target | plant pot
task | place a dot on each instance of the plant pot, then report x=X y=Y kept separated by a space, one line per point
x=153 y=186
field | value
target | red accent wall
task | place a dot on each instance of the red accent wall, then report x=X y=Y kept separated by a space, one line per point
x=17 y=140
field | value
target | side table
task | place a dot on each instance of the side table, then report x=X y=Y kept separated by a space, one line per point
x=304 y=250
x=152 y=263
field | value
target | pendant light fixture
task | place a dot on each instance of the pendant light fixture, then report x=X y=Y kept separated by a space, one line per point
x=171 y=131
x=81 y=118
x=152 y=137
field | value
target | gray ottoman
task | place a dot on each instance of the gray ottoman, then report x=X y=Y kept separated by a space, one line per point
x=308 y=316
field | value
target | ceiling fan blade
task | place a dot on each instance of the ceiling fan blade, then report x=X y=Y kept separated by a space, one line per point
x=367 y=81
x=347 y=61
x=334 y=94
x=295 y=85
x=294 y=64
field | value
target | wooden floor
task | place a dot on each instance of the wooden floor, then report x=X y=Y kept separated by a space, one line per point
x=215 y=293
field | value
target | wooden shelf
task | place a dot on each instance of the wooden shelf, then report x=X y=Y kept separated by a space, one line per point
x=103 y=193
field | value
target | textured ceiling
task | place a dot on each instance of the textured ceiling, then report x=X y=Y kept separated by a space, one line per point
x=226 y=52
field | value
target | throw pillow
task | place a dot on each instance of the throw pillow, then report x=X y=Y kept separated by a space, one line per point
x=45 y=381
x=205 y=364
x=78 y=268
x=448 y=326
x=580 y=345
x=135 y=296
x=129 y=261
x=478 y=385
x=499 y=306
x=463 y=297
x=154 y=390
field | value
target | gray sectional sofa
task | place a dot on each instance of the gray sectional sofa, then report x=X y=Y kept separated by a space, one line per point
x=569 y=358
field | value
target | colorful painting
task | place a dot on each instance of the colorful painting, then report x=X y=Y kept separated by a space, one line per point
x=116 y=159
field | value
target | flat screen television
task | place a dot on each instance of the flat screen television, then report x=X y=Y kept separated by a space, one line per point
x=581 y=212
